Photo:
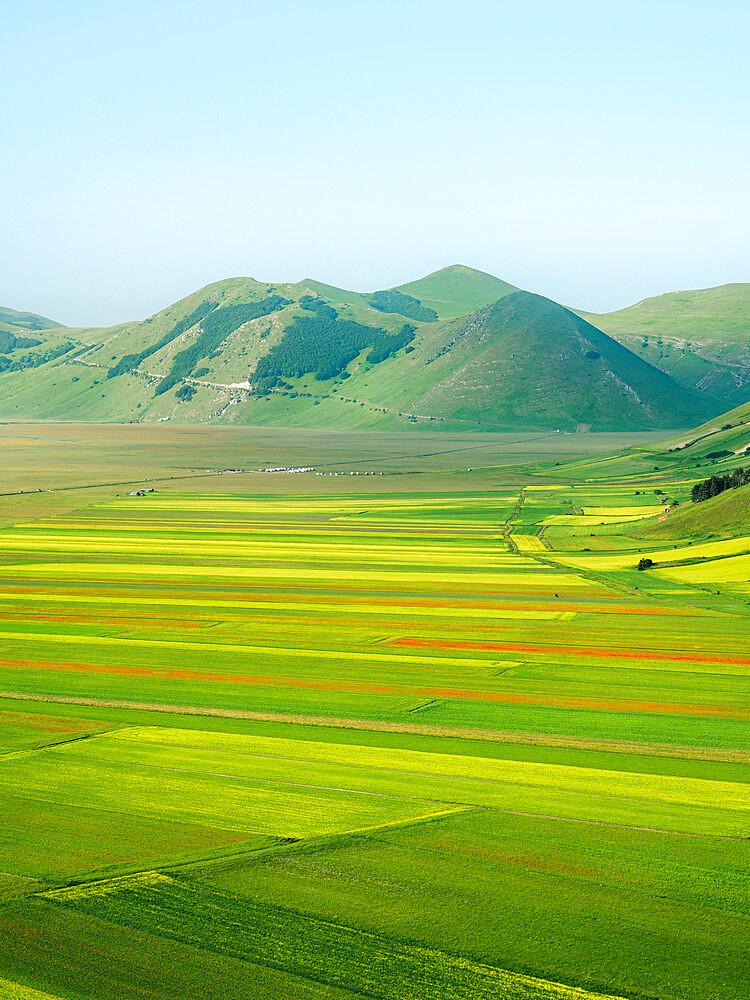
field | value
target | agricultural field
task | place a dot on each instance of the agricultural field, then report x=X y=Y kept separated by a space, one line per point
x=424 y=735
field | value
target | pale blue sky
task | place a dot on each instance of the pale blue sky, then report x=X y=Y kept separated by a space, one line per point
x=594 y=152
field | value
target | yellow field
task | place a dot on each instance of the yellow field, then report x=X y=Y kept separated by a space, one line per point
x=528 y=543
x=707 y=550
x=733 y=571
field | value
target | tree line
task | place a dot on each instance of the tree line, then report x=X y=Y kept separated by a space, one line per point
x=715 y=485
x=9 y=342
x=393 y=301
x=215 y=328
x=130 y=361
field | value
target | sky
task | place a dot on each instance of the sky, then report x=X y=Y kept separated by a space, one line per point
x=597 y=153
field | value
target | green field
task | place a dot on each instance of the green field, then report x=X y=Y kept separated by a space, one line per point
x=425 y=734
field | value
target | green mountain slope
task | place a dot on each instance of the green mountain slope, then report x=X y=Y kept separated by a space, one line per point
x=721 y=441
x=701 y=338
x=526 y=361
x=457 y=290
x=309 y=354
x=723 y=516
x=716 y=447
x=28 y=341
x=450 y=292
x=25 y=320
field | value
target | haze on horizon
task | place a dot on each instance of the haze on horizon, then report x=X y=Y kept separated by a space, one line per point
x=595 y=156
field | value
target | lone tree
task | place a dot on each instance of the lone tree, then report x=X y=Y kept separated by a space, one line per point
x=645 y=563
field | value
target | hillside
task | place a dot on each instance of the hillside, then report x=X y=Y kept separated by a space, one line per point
x=722 y=438
x=701 y=338
x=448 y=293
x=457 y=291
x=25 y=320
x=527 y=361
x=310 y=354
x=723 y=516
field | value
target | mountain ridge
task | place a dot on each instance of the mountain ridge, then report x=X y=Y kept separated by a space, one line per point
x=699 y=336
x=26 y=320
x=458 y=348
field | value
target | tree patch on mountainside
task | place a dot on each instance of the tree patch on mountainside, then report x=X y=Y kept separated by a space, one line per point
x=131 y=361
x=9 y=342
x=325 y=344
x=38 y=359
x=393 y=301
x=215 y=328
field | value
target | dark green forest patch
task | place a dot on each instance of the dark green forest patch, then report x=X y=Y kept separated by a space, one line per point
x=393 y=301
x=215 y=328
x=325 y=344
x=131 y=361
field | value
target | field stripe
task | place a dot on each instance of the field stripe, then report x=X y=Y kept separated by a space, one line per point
x=365 y=962
x=384 y=608
x=540 y=577
x=15 y=991
x=352 y=687
x=434 y=607
x=236 y=648
x=597 y=652
x=375 y=725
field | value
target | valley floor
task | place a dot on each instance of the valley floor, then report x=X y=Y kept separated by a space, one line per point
x=425 y=734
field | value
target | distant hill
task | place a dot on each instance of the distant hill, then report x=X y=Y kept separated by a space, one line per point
x=701 y=338
x=724 y=439
x=458 y=349
x=457 y=291
x=28 y=341
x=25 y=320
x=451 y=292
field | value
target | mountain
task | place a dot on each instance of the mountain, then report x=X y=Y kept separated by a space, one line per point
x=458 y=349
x=526 y=361
x=25 y=320
x=457 y=291
x=28 y=340
x=701 y=338
x=450 y=292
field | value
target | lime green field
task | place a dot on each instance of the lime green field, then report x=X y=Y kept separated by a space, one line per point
x=428 y=734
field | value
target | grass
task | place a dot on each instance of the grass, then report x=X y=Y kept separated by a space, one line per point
x=14 y=991
x=76 y=956
x=248 y=785
x=216 y=792
x=457 y=290
x=364 y=962
x=724 y=516
x=50 y=840
x=516 y=886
